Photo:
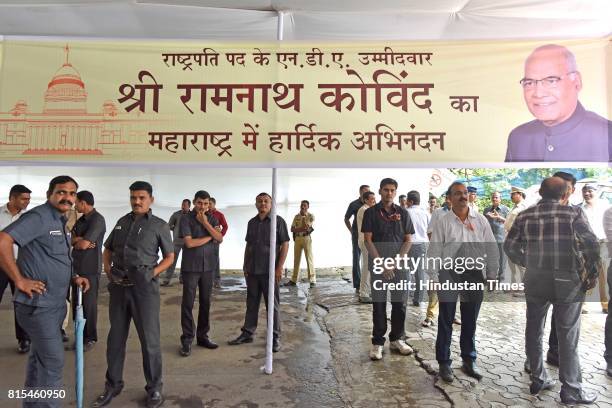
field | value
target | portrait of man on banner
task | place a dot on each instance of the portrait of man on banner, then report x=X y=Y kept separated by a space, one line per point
x=563 y=130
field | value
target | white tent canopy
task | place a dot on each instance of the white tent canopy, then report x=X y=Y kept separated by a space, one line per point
x=308 y=20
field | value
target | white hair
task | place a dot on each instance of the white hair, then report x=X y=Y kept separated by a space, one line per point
x=570 y=59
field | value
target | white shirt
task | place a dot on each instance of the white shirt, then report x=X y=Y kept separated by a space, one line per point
x=420 y=220
x=512 y=215
x=595 y=214
x=6 y=218
x=359 y=219
x=449 y=232
x=607 y=225
x=435 y=216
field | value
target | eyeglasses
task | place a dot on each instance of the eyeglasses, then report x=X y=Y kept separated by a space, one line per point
x=549 y=82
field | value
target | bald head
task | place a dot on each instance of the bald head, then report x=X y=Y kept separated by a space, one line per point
x=551 y=84
x=553 y=188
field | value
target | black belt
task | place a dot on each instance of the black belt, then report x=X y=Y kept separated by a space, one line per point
x=122 y=282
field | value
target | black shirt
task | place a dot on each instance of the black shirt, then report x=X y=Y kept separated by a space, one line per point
x=351 y=211
x=92 y=228
x=135 y=242
x=257 y=256
x=202 y=258
x=388 y=228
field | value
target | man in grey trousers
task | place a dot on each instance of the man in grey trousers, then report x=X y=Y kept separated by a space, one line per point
x=174 y=223
x=42 y=274
x=607 y=221
x=544 y=239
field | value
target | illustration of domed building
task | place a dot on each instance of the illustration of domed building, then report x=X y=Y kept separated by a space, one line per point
x=65 y=127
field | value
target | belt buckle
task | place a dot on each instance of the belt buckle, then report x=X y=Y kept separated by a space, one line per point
x=124 y=282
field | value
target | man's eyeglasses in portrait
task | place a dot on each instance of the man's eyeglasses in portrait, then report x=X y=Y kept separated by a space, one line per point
x=549 y=82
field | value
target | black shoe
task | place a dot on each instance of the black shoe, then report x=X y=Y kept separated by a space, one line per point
x=312 y=284
x=243 y=338
x=276 y=346
x=536 y=386
x=446 y=373
x=207 y=344
x=185 y=349
x=290 y=283
x=106 y=397
x=415 y=303
x=24 y=346
x=64 y=336
x=155 y=400
x=552 y=359
x=582 y=397
x=470 y=368
x=165 y=283
x=527 y=367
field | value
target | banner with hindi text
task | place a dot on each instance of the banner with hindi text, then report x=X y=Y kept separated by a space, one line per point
x=289 y=103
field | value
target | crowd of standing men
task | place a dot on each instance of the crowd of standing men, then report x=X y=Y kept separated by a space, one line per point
x=553 y=248
x=45 y=251
x=556 y=250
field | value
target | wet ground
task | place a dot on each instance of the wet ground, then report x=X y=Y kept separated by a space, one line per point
x=324 y=360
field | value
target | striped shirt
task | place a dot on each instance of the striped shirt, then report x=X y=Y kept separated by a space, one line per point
x=552 y=236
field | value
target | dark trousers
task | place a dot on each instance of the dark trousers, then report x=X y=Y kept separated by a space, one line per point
x=257 y=286
x=608 y=333
x=218 y=262
x=553 y=341
x=469 y=306
x=501 y=274
x=90 y=308
x=379 y=320
x=567 y=316
x=356 y=260
x=168 y=273
x=192 y=281
x=417 y=251
x=140 y=303
x=46 y=359
x=20 y=334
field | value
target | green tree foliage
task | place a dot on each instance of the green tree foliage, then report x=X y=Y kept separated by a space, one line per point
x=501 y=179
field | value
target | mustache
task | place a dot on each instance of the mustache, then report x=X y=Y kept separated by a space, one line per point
x=66 y=202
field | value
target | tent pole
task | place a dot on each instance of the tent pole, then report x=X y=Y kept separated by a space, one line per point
x=271 y=271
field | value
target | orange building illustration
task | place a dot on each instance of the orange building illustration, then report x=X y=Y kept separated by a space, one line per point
x=65 y=127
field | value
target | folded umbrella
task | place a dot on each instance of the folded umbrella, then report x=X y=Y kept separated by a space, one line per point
x=79 y=326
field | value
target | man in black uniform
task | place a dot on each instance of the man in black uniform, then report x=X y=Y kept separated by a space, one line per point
x=387 y=231
x=87 y=237
x=351 y=211
x=256 y=265
x=42 y=275
x=130 y=263
x=198 y=229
